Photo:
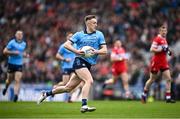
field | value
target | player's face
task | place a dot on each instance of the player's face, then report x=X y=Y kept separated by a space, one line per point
x=163 y=31
x=69 y=36
x=92 y=24
x=19 y=35
x=117 y=44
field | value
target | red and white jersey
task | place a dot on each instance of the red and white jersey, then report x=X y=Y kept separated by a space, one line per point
x=120 y=54
x=159 y=42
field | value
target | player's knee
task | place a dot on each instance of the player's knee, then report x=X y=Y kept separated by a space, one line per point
x=90 y=82
x=18 y=81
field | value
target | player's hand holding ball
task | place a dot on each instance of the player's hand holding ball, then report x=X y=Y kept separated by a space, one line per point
x=88 y=51
x=15 y=52
x=80 y=52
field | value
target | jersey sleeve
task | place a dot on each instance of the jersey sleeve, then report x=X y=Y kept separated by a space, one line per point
x=61 y=49
x=9 y=45
x=101 y=39
x=75 y=37
x=155 y=43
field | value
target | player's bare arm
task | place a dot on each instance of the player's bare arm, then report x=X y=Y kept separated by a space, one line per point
x=8 y=52
x=60 y=57
x=68 y=45
x=101 y=51
x=155 y=48
x=116 y=58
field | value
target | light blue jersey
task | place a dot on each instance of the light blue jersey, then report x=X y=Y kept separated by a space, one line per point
x=66 y=54
x=14 y=45
x=95 y=40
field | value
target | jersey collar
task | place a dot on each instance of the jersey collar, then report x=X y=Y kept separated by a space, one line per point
x=18 y=41
x=85 y=31
x=159 y=35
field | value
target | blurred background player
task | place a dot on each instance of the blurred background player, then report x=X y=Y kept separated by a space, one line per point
x=89 y=37
x=67 y=58
x=15 y=50
x=119 y=67
x=159 y=63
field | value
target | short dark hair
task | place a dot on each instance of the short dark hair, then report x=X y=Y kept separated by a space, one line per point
x=89 y=17
x=163 y=26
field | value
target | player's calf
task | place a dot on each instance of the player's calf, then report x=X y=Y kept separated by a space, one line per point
x=6 y=87
x=4 y=91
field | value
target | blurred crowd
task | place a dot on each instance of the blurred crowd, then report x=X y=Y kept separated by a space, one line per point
x=45 y=22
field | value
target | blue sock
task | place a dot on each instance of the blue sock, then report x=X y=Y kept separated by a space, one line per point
x=49 y=93
x=84 y=102
x=69 y=98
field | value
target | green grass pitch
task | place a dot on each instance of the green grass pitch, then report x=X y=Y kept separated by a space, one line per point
x=105 y=110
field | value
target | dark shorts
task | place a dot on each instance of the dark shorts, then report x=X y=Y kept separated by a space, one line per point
x=13 y=68
x=67 y=71
x=81 y=63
